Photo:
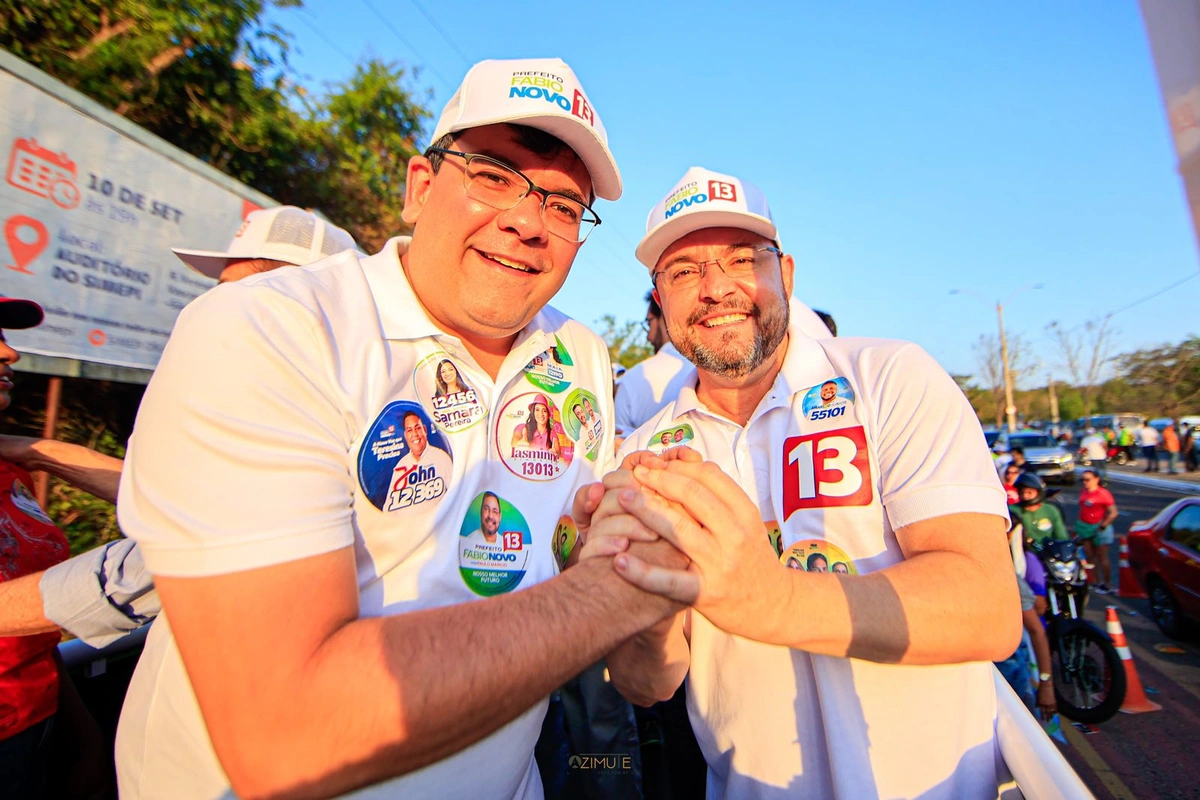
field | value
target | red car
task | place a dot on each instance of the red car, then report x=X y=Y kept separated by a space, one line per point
x=1164 y=553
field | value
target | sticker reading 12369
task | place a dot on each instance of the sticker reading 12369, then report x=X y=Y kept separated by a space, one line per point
x=830 y=468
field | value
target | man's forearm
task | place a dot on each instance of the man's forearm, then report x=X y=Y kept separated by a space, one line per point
x=384 y=696
x=79 y=466
x=21 y=607
x=930 y=609
x=649 y=666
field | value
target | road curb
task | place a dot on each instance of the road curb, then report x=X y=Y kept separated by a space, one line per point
x=1183 y=487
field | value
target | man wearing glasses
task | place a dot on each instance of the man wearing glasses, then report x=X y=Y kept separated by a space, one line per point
x=804 y=684
x=316 y=639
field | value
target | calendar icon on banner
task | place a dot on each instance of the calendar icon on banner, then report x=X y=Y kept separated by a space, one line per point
x=39 y=171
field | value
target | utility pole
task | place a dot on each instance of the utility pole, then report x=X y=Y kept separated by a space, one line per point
x=1010 y=410
x=1053 y=401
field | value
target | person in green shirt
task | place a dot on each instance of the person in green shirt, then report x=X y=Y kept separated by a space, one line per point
x=1040 y=520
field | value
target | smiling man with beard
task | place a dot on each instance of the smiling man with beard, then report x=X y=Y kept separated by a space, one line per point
x=808 y=683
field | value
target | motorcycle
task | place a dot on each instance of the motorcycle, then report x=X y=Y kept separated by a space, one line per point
x=1116 y=455
x=1089 y=679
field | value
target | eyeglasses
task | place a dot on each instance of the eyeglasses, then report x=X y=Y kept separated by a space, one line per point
x=500 y=186
x=646 y=325
x=739 y=265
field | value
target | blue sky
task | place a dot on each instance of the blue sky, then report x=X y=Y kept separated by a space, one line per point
x=907 y=149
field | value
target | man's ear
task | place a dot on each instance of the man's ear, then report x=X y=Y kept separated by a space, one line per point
x=417 y=185
x=787 y=266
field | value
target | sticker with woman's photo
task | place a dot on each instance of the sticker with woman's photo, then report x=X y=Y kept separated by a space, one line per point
x=404 y=461
x=493 y=545
x=670 y=437
x=566 y=535
x=818 y=555
x=453 y=404
x=774 y=536
x=584 y=424
x=531 y=439
x=828 y=400
x=552 y=371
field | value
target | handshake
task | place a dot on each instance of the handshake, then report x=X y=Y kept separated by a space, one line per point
x=677 y=526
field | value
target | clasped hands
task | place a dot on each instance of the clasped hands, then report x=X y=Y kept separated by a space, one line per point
x=677 y=526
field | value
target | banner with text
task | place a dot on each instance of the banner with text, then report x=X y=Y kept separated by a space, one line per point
x=89 y=215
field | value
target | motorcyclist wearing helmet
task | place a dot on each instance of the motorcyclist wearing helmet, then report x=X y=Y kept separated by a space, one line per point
x=1040 y=520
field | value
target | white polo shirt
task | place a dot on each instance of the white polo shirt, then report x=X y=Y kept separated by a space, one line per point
x=273 y=430
x=857 y=438
x=648 y=386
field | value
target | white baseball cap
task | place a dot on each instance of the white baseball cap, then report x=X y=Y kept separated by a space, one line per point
x=283 y=233
x=704 y=199
x=542 y=93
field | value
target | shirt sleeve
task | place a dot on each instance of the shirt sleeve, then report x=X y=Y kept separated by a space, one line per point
x=238 y=459
x=930 y=446
x=102 y=594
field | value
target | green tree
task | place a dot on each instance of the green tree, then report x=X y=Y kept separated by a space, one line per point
x=627 y=343
x=1166 y=379
x=212 y=78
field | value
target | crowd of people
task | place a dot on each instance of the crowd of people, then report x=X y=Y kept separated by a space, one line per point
x=337 y=611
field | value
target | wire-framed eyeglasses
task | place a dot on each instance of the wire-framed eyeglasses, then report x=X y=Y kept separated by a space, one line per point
x=737 y=265
x=500 y=186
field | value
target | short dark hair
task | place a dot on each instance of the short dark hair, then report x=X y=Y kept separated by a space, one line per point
x=538 y=141
x=828 y=320
x=407 y=414
x=1015 y=450
x=655 y=309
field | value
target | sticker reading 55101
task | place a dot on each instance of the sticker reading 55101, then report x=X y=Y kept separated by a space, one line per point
x=831 y=468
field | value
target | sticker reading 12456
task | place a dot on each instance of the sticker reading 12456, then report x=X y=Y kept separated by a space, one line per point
x=830 y=468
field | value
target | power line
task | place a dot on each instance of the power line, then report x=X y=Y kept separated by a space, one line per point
x=388 y=24
x=324 y=38
x=1179 y=282
x=444 y=35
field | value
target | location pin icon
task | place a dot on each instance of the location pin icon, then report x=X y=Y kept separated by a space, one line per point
x=16 y=230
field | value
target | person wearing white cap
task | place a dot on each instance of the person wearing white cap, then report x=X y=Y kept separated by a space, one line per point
x=105 y=593
x=873 y=683
x=270 y=238
x=323 y=631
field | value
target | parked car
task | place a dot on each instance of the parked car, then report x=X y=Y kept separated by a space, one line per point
x=1045 y=455
x=1164 y=553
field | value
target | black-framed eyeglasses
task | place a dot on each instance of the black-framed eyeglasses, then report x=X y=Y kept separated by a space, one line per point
x=737 y=265
x=646 y=326
x=500 y=186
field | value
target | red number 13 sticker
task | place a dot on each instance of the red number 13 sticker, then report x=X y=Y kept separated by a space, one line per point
x=825 y=469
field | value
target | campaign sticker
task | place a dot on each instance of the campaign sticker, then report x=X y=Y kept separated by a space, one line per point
x=24 y=500
x=552 y=371
x=452 y=403
x=828 y=400
x=493 y=545
x=531 y=439
x=584 y=424
x=404 y=462
x=818 y=555
x=774 y=536
x=670 y=437
x=565 y=537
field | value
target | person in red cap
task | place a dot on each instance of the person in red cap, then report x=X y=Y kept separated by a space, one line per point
x=29 y=542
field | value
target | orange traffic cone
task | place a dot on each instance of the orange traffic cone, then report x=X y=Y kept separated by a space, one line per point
x=1127 y=582
x=1136 y=701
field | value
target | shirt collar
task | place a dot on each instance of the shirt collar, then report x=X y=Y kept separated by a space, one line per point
x=402 y=316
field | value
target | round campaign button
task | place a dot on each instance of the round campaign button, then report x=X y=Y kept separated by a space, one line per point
x=552 y=371
x=404 y=461
x=531 y=439
x=583 y=421
x=818 y=555
x=493 y=545
x=566 y=536
x=24 y=500
x=828 y=400
x=672 y=436
x=453 y=404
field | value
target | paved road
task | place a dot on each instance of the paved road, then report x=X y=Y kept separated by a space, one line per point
x=1155 y=754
